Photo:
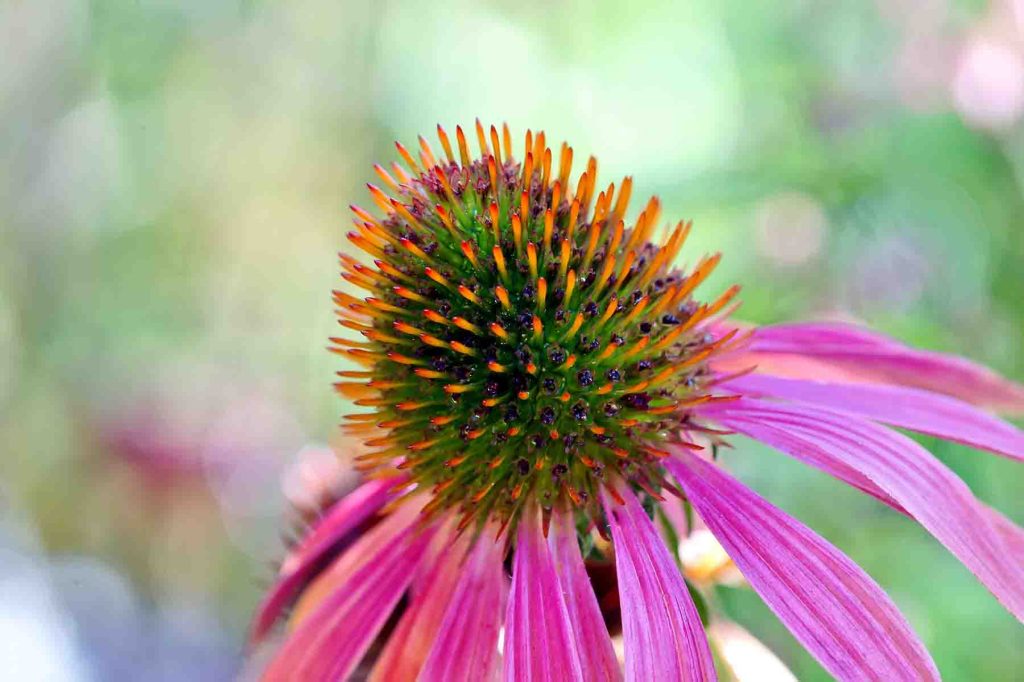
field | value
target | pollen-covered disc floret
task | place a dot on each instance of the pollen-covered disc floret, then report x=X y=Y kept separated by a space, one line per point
x=520 y=341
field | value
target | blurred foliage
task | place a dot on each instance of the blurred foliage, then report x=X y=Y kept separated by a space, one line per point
x=173 y=184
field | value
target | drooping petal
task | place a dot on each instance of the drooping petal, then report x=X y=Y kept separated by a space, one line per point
x=409 y=645
x=874 y=357
x=836 y=611
x=597 y=657
x=466 y=646
x=662 y=631
x=539 y=642
x=345 y=516
x=330 y=642
x=907 y=408
x=361 y=552
x=902 y=470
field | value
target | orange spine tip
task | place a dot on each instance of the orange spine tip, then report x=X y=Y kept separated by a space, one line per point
x=575 y=327
x=517 y=233
x=574 y=214
x=433 y=341
x=499 y=261
x=636 y=311
x=613 y=304
x=380 y=198
x=481 y=139
x=446 y=144
x=637 y=347
x=476 y=499
x=410 y=295
x=542 y=292
x=564 y=164
x=569 y=362
x=407 y=157
x=604 y=390
x=403 y=177
x=531 y=257
x=460 y=137
x=502 y=294
x=463 y=323
x=392 y=271
x=538 y=328
x=467 y=251
x=441 y=420
x=499 y=331
x=428 y=373
x=460 y=347
x=409 y=406
x=637 y=387
x=549 y=226
x=531 y=368
x=426 y=153
x=386 y=307
x=565 y=397
x=468 y=295
x=496 y=367
x=404 y=359
x=495 y=215
x=414 y=250
x=457 y=388
x=421 y=445
x=492 y=171
x=437 y=277
x=523 y=395
x=506 y=138
x=435 y=317
x=495 y=145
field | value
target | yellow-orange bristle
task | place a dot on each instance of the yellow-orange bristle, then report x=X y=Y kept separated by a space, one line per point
x=407 y=157
x=502 y=294
x=463 y=323
x=467 y=251
x=460 y=137
x=460 y=347
x=499 y=331
x=446 y=144
x=468 y=295
x=499 y=261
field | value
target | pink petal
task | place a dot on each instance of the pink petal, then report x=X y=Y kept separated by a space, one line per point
x=597 y=657
x=901 y=469
x=361 y=552
x=539 y=642
x=907 y=408
x=409 y=645
x=344 y=517
x=880 y=359
x=466 y=647
x=663 y=635
x=330 y=642
x=836 y=611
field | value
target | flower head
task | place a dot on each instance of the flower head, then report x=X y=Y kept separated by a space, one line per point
x=538 y=373
x=521 y=341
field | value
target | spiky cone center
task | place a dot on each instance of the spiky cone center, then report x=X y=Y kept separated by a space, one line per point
x=519 y=342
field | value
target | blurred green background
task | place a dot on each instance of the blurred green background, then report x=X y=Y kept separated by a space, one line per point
x=174 y=179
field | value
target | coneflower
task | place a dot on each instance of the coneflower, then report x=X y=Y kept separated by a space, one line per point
x=535 y=374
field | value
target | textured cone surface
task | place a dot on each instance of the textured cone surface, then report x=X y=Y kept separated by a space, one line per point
x=517 y=340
